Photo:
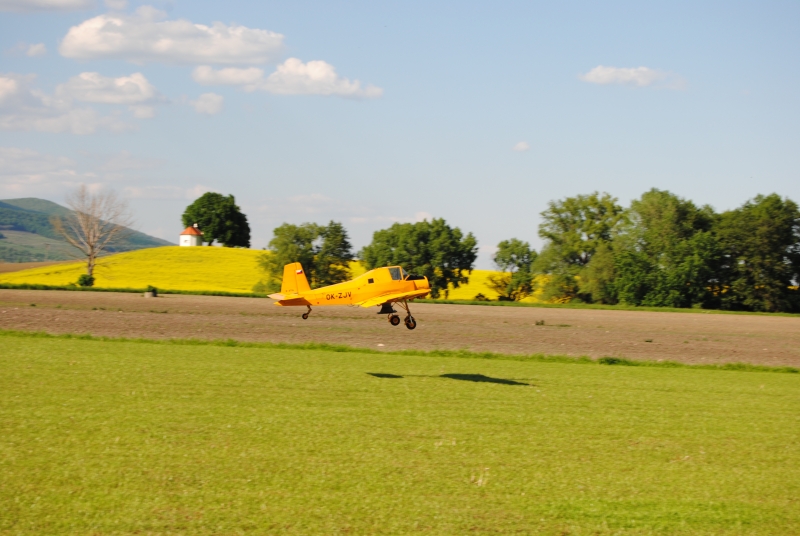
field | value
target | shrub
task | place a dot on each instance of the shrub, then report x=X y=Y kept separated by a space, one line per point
x=85 y=280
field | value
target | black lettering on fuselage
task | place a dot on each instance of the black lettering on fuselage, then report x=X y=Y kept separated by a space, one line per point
x=338 y=296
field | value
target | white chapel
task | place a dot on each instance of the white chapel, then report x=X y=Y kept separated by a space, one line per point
x=191 y=236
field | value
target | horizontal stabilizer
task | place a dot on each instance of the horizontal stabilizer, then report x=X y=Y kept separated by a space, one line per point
x=276 y=296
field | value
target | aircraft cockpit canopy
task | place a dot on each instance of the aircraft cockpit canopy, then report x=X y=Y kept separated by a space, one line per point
x=397 y=273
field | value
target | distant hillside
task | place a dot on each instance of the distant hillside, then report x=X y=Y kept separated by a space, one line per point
x=28 y=235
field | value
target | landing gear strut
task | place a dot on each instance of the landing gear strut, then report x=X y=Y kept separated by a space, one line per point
x=305 y=315
x=409 y=320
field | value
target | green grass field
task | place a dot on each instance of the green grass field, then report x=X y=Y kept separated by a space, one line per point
x=128 y=437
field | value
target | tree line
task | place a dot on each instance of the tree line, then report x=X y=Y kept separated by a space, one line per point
x=662 y=250
x=429 y=248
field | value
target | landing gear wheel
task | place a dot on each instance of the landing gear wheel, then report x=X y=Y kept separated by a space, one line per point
x=410 y=322
x=305 y=316
x=394 y=320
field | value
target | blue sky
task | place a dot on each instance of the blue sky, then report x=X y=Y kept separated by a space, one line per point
x=479 y=113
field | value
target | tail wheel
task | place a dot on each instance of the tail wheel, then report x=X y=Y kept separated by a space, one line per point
x=394 y=320
x=410 y=322
x=305 y=316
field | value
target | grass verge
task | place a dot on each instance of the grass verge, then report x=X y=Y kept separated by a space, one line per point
x=538 y=358
x=602 y=307
x=102 y=437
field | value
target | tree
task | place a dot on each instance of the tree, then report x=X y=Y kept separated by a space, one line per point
x=97 y=222
x=574 y=228
x=598 y=278
x=323 y=251
x=428 y=248
x=514 y=257
x=666 y=253
x=761 y=247
x=220 y=219
x=332 y=262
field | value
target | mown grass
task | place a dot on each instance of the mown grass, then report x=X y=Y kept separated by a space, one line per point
x=467 y=354
x=130 y=437
x=598 y=306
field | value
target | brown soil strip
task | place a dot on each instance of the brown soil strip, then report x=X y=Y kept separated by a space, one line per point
x=683 y=337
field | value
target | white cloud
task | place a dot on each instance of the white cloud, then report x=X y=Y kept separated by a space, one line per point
x=145 y=36
x=117 y=5
x=422 y=216
x=292 y=77
x=36 y=50
x=45 y=5
x=25 y=108
x=521 y=147
x=142 y=112
x=115 y=163
x=633 y=76
x=30 y=50
x=250 y=77
x=16 y=161
x=94 y=87
x=208 y=103
x=165 y=192
x=25 y=171
x=320 y=207
x=9 y=87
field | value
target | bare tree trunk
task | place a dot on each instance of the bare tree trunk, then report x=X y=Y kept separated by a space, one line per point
x=98 y=221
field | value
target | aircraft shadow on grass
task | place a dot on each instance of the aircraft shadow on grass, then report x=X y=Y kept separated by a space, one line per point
x=480 y=378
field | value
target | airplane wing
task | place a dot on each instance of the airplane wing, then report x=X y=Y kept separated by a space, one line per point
x=378 y=300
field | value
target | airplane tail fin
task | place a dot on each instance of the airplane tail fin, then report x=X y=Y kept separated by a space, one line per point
x=294 y=279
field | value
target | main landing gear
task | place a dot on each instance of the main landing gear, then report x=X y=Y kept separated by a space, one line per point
x=305 y=315
x=394 y=319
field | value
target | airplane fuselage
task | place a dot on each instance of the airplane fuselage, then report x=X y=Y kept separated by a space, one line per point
x=378 y=282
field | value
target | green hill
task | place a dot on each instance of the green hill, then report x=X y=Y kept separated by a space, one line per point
x=33 y=204
x=28 y=235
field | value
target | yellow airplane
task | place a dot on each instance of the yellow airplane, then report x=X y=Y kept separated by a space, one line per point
x=381 y=286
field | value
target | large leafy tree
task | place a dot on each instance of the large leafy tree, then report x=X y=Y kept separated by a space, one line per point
x=220 y=220
x=574 y=229
x=514 y=257
x=667 y=254
x=324 y=251
x=432 y=249
x=761 y=245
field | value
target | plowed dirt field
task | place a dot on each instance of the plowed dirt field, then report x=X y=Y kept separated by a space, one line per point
x=683 y=337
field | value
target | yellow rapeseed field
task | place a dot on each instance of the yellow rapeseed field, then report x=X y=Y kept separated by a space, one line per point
x=170 y=267
x=479 y=284
x=213 y=269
